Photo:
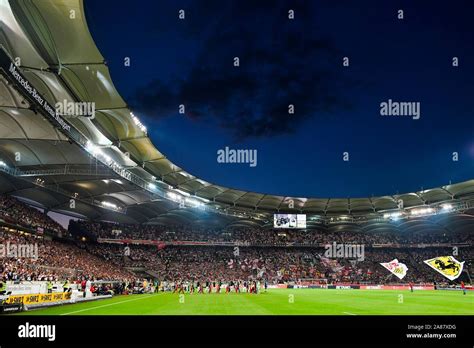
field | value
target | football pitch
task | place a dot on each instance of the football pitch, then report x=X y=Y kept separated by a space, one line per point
x=277 y=302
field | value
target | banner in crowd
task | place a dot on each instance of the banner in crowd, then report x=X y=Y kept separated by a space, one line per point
x=38 y=298
x=397 y=268
x=446 y=265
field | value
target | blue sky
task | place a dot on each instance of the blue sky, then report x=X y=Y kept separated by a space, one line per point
x=337 y=108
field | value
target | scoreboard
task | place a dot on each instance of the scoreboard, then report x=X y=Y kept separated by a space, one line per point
x=289 y=220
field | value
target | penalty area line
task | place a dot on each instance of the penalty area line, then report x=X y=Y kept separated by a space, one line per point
x=106 y=305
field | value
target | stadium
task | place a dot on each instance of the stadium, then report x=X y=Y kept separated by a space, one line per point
x=146 y=237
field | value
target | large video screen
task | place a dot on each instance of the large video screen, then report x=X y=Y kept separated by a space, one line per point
x=289 y=220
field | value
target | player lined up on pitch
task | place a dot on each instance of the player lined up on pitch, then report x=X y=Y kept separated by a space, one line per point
x=239 y=286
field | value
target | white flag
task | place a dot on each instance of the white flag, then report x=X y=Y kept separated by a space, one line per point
x=397 y=268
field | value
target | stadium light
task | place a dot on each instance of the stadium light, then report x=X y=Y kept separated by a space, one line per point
x=107 y=158
x=152 y=186
x=193 y=202
x=182 y=192
x=92 y=148
x=109 y=205
x=2 y=164
x=173 y=196
x=190 y=201
x=202 y=199
x=394 y=215
x=446 y=207
x=95 y=151
x=421 y=211
x=138 y=123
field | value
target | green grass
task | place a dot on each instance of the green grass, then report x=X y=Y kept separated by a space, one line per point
x=277 y=301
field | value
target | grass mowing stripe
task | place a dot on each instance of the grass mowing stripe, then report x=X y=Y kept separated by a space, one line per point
x=107 y=305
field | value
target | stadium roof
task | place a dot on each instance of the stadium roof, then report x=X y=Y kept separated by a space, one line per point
x=48 y=165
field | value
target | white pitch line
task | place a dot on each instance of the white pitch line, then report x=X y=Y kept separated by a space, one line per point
x=107 y=305
x=349 y=313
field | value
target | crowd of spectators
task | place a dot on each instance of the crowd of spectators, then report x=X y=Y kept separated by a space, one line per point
x=52 y=260
x=15 y=212
x=259 y=236
x=276 y=264
x=253 y=253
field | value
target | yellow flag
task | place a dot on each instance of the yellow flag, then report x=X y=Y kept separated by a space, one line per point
x=447 y=266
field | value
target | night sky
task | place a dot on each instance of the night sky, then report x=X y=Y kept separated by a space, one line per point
x=299 y=62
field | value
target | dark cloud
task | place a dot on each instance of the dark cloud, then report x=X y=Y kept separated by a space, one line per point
x=282 y=62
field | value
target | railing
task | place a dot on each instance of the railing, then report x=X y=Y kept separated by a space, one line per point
x=66 y=170
x=283 y=245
